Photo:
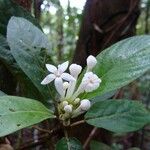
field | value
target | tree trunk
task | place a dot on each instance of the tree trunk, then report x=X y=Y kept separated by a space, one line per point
x=104 y=23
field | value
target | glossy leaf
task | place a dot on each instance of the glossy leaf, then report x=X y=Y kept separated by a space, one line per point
x=103 y=97
x=17 y=113
x=2 y=93
x=25 y=84
x=70 y=144
x=122 y=63
x=94 y=145
x=29 y=47
x=118 y=115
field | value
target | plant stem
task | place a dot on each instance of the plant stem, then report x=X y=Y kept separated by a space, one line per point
x=67 y=138
x=77 y=123
x=91 y=135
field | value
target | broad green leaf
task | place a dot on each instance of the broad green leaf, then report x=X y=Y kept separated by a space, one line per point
x=17 y=113
x=29 y=47
x=25 y=84
x=122 y=63
x=9 y=8
x=94 y=145
x=118 y=115
x=103 y=97
x=2 y=93
x=70 y=144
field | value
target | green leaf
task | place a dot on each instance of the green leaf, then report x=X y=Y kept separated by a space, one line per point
x=118 y=115
x=2 y=93
x=94 y=145
x=29 y=47
x=70 y=144
x=17 y=113
x=122 y=63
x=25 y=84
x=9 y=8
x=103 y=97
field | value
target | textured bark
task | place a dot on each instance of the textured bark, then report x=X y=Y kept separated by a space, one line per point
x=104 y=23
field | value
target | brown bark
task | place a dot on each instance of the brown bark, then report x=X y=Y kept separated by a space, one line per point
x=24 y=3
x=104 y=23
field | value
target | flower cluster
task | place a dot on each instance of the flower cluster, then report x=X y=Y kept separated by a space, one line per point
x=70 y=104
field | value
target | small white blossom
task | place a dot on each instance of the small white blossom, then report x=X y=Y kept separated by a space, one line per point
x=65 y=85
x=91 y=62
x=57 y=73
x=77 y=100
x=90 y=82
x=68 y=108
x=85 y=104
x=64 y=103
x=75 y=70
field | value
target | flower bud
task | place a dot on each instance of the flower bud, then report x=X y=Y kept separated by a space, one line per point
x=64 y=103
x=91 y=62
x=68 y=108
x=85 y=104
x=77 y=100
x=65 y=85
x=75 y=70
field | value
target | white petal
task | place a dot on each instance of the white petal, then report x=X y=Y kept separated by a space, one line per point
x=63 y=67
x=85 y=104
x=91 y=62
x=68 y=77
x=49 y=78
x=59 y=86
x=51 y=68
x=75 y=70
x=68 y=108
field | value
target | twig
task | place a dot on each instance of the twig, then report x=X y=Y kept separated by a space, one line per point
x=31 y=143
x=91 y=135
x=77 y=123
x=67 y=138
x=42 y=130
x=41 y=139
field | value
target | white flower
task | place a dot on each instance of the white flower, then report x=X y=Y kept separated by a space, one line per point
x=65 y=85
x=75 y=70
x=90 y=82
x=68 y=108
x=57 y=73
x=77 y=100
x=64 y=103
x=91 y=62
x=85 y=104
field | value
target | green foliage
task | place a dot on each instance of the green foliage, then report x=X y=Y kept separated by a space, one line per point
x=118 y=115
x=25 y=84
x=94 y=145
x=17 y=113
x=68 y=144
x=122 y=63
x=29 y=46
x=8 y=8
x=2 y=93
